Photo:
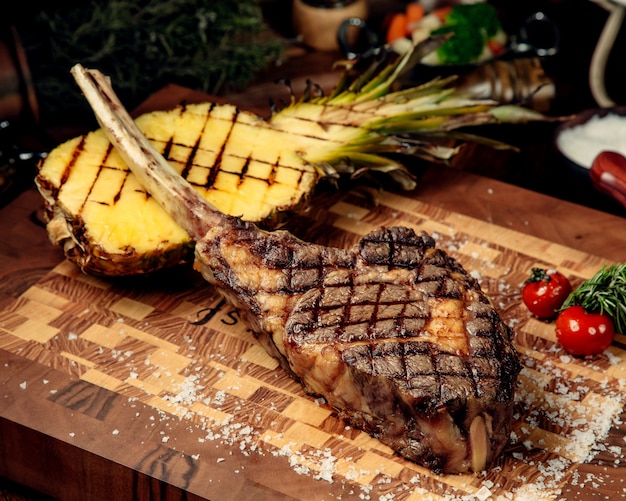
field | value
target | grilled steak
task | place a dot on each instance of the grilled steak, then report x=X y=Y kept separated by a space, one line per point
x=393 y=333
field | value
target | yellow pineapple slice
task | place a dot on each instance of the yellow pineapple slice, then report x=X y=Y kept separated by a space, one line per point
x=89 y=187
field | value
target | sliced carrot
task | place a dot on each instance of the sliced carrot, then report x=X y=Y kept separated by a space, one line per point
x=442 y=12
x=414 y=13
x=397 y=27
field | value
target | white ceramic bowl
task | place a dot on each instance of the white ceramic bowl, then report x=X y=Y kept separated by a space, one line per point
x=582 y=139
x=589 y=133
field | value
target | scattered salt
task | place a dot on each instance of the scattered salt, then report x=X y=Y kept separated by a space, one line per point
x=327 y=468
x=483 y=493
x=612 y=358
x=475 y=274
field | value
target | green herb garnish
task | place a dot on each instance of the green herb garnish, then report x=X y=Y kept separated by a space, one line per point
x=604 y=293
x=209 y=45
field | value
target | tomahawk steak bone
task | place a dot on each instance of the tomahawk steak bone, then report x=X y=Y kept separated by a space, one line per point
x=394 y=334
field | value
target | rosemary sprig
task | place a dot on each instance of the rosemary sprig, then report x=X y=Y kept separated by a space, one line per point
x=209 y=45
x=604 y=293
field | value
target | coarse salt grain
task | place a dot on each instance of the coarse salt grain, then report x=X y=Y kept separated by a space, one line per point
x=483 y=493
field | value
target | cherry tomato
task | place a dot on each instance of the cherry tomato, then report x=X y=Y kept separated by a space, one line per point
x=545 y=292
x=582 y=333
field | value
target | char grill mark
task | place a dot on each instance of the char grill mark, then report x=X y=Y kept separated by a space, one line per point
x=350 y=313
x=215 y=168
x=167 y=149
x=116 y=197
x=193 y=151
x=395 y=247
x=70 y=165
x=427 y=375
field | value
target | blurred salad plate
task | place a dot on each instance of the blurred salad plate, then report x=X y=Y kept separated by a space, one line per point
x=475 y=35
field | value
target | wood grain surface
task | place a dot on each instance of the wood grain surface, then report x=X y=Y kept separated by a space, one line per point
x=152 y=388
x=159 y=379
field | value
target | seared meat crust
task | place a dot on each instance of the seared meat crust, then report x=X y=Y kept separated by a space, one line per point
x=393 y=333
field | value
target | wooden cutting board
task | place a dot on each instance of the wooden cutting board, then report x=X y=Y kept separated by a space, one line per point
x=198 y=390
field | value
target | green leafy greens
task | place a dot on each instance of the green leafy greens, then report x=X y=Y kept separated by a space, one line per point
x=481 y=16
x=604 y=293
x=473 y=25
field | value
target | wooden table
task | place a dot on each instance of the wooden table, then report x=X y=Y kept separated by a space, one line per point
x=74 y=437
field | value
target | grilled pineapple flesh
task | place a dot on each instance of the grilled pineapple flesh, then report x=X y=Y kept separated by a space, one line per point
x=109 y=225
x=245 y=165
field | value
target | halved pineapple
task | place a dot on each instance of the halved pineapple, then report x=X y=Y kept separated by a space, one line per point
x=109 y=225
x=246 y=166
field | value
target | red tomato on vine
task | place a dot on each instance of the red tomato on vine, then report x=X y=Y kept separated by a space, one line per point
x=582 y=333
x=545 y=292
x=593 y=312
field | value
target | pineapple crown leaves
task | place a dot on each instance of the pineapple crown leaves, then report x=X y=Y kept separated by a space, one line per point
x=365 y=120
x=379 y=77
